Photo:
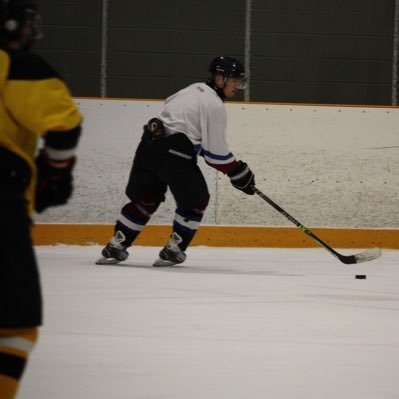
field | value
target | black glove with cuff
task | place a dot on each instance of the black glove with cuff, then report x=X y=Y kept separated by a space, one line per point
x=242 y=178
x=54 y=181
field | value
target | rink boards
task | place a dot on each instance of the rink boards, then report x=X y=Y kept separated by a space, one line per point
x=334 y=168
x=221 y=236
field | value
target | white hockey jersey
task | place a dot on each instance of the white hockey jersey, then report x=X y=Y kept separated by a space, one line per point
x=198 y=112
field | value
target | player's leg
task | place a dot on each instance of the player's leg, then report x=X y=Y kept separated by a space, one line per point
x=190 y=191
x=146 y=192
x=20 y=292
x=20 y=301
x=15 y=347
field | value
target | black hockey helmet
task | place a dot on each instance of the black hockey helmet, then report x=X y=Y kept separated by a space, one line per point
x=229 y=68
x=19 y=21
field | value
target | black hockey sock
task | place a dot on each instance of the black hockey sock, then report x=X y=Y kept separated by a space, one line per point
x=186 y=224
x=15 y=346
x=130 y=234
x=133 y=218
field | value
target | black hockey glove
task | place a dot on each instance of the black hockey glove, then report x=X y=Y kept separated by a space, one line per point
x=54 y=181
x=243 y=178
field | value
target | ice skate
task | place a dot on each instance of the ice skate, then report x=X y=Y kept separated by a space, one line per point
x=114 y=252
x=171 y=254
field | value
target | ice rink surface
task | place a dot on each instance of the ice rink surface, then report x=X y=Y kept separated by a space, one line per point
x=228 y=324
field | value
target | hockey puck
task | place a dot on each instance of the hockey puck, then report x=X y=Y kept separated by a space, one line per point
x=361 y=276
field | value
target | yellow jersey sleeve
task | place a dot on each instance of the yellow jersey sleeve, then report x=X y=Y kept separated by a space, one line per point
x=37 y=97
x=34 y=102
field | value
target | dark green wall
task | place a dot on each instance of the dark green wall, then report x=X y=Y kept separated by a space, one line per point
x=323 y=51
x=72 y=42
x=317 y=51
x=157 y=47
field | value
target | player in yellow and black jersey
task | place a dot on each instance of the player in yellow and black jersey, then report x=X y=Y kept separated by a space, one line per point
x=35 y=104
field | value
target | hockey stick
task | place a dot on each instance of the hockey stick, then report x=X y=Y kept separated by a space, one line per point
x=365 y=256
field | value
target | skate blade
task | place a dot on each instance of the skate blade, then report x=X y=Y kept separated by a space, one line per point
x=161 y=263
x=107 y=261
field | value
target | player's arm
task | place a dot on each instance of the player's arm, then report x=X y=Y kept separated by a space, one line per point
x=215 y=149
x=55 y=163
x=217 y=154
x=39 y=100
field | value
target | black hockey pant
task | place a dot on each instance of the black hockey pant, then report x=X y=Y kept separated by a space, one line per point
x=170 y=163
x=20 y=293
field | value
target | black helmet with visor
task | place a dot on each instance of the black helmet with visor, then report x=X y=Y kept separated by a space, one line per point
x=229 y=68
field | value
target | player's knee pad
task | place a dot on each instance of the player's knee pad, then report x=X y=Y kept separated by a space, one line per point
x=145 y=188
x=141 y=210
x=203 y=203
x=194 y=203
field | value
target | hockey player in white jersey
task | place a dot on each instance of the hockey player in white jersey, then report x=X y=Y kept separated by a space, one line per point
x=192 y=123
